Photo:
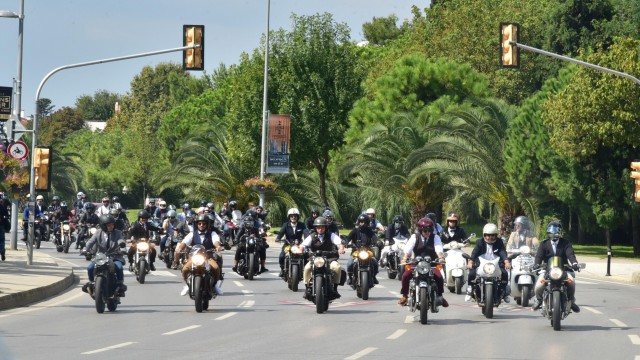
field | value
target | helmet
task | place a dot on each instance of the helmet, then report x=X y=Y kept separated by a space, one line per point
x=105 y=199
x=172 y=207
x=203 y=203
x=163 y=204
x=431 y=216
x=171 y=213
x=453 y=217
x=89 y=206
x=370 y=211
x=152 y=200
x=363 y=218
x=398 y=219
x=39 y=197
x=143 y=214
x=106 y=219
x=490 y=228
x=55 y=198
x=210 y=205
x=115 y=199
x=201 y=218
x=293 y=211
x=425 y=224
x=114 y=212
x=315 y=211
x=248 y=221
x=63 y=204
x=554 y=230
x=320 y=221
x=80 y=195
x=186 y=206
x=522 y=220
x=233 y=204
x=252 y=213
x=117 y=206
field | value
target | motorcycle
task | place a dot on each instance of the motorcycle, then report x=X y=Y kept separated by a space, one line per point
x=456 y=265
x=523 y=278
x=249 y=258
x=82 y=242
x=233 y=226
x=395 y=254
x=65 y=236
x=105 y=290
x=363 y=272
x=201 y=283
x=169 y=250
x=423 y=287
x=155 y=235
x=140 y=265
x=39 y=231
x=377 y=247
x=488 y=291
x=321 y=281
x=293 y=265
x=556 y=305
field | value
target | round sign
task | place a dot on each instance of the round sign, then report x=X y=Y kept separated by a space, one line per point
x=18 y=150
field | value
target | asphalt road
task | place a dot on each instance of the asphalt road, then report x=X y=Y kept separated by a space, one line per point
x=263 y=319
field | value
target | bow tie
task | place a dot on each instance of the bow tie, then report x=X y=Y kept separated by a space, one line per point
x=554 y=241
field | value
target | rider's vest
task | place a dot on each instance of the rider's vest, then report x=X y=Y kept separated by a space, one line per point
x=207 y=242
x=319 y=244
x=425 y=247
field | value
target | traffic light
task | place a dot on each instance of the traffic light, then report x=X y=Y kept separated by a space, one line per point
x=42 y=165
x=193 y=59
x=510 y=55
x=635 y=174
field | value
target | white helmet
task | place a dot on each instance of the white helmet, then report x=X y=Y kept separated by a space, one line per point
x=490 y=229
x=370 y=211
x=39 y=197
x=80 y=195
x=293 y=211
x=162 y=204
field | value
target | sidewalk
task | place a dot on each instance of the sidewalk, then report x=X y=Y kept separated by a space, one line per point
x=621 y=270
x=22 y=284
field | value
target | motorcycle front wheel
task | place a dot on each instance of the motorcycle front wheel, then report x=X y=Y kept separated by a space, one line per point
x=294 y=279
x=526 y=295
x=251 y=266
x=98 y=294
x=556 y=319
x=458 y=285
x=66 y=244
x=197 y=293
x=112 y=305
x=142 y=267
x=488 y=301
x=424 y=305
x=320 y=295
x=364 y=285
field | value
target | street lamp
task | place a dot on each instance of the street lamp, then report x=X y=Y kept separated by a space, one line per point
x=16 y=112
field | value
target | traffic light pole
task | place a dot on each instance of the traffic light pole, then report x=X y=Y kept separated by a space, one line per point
x=34 y=142
x=593 y=66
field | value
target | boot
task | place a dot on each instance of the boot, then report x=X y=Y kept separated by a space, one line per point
x=375 y=280
x=574 y=307
x=281 y=272
x=469 y=296
x=122 y=288
x=152 y=267
x=336 y=295
x=350 y=279
x=307 y=293
x=537 y=303
x=403 y=300
x=3 y=256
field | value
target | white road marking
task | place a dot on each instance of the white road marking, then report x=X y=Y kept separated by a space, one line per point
x=581 y=282
x=408 y=319
x=635 y=339
x=238 y=283
x=247 y=292
x=618 y=322
x=397 y=334
x=637 y=357
x=108 y=348
x=154 y=273
x=181 y=330
x=608 y=282
x=362 y=353
x=42 y=306
x=246 y=304
x=592 y=310
x=225 y=316
x=395 y=293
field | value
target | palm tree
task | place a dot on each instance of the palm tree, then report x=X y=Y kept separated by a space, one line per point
x=65 y=173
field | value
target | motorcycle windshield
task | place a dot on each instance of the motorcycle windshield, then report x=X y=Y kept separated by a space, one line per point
x=236 y=215
x=555 y=261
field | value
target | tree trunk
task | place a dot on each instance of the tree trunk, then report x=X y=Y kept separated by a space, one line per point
x=322 y=173
x=635 y=232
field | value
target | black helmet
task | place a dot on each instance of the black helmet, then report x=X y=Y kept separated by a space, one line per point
x=398 y=219
x=63 y=204
x=201 y=218
x=186 y=206
x=554 y=230
x=252 y=213
x=315 y=211
x=233 y=204
x=143 y=214
x=115 y=199
x=106 y=219
x=363 y=218
x=203 y=203
x=319 y=221
x=89 y=206
x=431 y=216
x=248 y=221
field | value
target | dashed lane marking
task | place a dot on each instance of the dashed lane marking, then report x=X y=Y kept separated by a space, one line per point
x=635 y=339
x=618 y=322
x=107 y=348
x=225 y=316
x=397 y=334
x=246 y=304
x=182 y=330
x=409 y=319
x=247 y=292
x=238 y=283
x=592 y=310
x=362 y=353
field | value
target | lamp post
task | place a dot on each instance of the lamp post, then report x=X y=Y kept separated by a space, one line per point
x=265 y=111
x=16 y=114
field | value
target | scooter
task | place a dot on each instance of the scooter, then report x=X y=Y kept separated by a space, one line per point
x=523 y=278
x=456 y=264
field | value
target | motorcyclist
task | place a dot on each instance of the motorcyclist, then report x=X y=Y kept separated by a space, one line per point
x=453 y=231
x=141 y=229
x=172 y=225
x=373 y=222
x=59 y=215
x=233 y=205
x=250 y=227
x=397 y=229
x=55 y=204
x=320 y=239
x=186 y=210
x=224 y=210
x=424 y=242
x=105 y=208
x=556 y=245
x=202 y=235
x=308 y=223
x=522 y=235
x=291 y=230
x=78 y=205
x=215 y=221
x=120 y=225
x=151 y=208
x=438 y=227
x=87 y=218
x=362 y=236
x=115 y=203
x=489 y=247
x=109 y=241
x=332 y=227
x=161 y=211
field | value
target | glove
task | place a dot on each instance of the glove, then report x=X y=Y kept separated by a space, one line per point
x=575 y=267
x=536 y=266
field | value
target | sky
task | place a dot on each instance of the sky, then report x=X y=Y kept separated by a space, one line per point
x=63 y=32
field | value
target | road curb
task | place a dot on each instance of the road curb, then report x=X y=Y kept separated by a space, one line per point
x=635 y=277
x=25 y=298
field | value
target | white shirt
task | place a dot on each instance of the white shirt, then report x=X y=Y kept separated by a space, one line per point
x=489 y=254
x=189 y=238
x=103 y=210
x=412 y=243
x=335 y=239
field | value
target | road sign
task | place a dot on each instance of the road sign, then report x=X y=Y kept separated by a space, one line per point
x=18 y=150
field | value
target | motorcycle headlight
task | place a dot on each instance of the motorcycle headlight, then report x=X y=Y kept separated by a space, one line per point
x=295 y=249
x=556 y=273
x=198 y=259
x=100 y=259
x=363 y=255
x=489 y=268
x=423 y=268
x=318 y=261
x=142 y=246
x=251 y=241
x=66 y=227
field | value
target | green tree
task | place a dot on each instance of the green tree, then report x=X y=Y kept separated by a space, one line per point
x=55 y=128
x=100 y=106
x=381 y=30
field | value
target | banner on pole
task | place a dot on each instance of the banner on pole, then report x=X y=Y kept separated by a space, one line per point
x=279 y=140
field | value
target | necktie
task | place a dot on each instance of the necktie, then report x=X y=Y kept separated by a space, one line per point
x=554 y=243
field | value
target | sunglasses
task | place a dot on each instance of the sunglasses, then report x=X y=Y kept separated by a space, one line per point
x=491 y=235
x=202 y=223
